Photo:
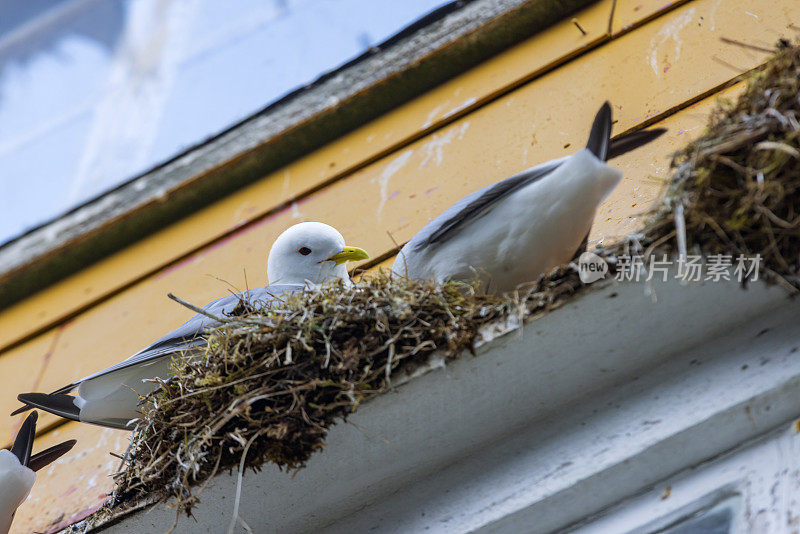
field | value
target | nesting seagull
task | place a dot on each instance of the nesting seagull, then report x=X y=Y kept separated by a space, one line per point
x=305 y=255
x=512 y=231
x=18 y=469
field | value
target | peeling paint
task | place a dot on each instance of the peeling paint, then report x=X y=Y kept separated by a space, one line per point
x=386 y=174
x=434 y=147
x=681 y=132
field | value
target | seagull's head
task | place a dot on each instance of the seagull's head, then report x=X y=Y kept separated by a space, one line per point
x=310 y=252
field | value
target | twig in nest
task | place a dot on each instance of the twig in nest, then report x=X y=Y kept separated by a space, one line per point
x=238 y=497
x=680 y=230
x=201 y=311
x=729 y=145
x=775 y=145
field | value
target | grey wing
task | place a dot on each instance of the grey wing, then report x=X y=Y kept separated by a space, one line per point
x=191 y=333
x=476 y=204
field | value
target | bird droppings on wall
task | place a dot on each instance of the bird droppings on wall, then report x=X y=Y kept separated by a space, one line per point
x=670 y=31
x=386 y=174
x=434 y=149
x=435 y=114
x=432 y=116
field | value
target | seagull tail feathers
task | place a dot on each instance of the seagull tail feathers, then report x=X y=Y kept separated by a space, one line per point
x=55 y=403
x=65 y=389
x=600 y=135
x=633 y=140
x=24 y=440
x=48 y=456
x=23 y=409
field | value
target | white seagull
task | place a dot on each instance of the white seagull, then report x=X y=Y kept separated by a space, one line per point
x=18 y=469
x=512 y=231
x=305 y=255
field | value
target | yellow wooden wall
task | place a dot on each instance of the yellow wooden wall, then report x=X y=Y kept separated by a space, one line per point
x=657 y=64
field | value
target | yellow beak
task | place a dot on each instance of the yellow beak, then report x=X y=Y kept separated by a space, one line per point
x=349 y=254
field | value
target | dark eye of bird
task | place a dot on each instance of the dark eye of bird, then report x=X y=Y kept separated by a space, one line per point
x=305 y=251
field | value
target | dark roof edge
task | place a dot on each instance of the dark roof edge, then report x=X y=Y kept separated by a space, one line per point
x=418 y=58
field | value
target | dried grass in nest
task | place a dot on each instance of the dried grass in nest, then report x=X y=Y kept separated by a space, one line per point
x=272 y=382
x=739 y=184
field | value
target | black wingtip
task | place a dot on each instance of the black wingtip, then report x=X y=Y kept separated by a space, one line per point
x=65 y=389
x=48 y=456
x=24 y=440
x=22 y=410
x=55 y=403
x=632 y=141
x=600 y=135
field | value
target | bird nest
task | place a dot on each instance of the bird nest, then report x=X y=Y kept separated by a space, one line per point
x=736 y=189
x=272 y=381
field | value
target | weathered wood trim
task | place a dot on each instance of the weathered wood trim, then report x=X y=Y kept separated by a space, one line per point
x=397 y=71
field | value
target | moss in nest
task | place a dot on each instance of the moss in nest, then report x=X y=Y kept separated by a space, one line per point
x=739 y=183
